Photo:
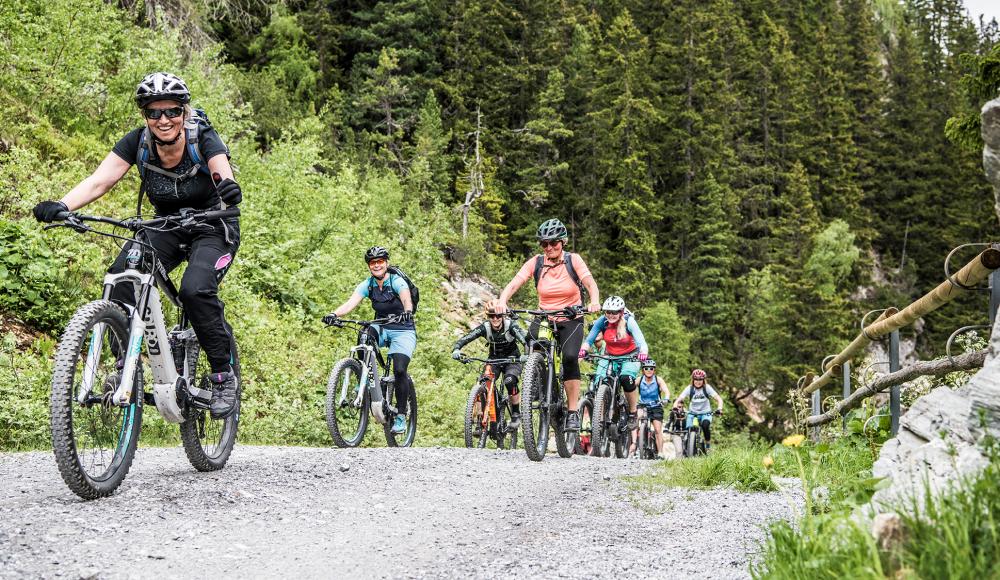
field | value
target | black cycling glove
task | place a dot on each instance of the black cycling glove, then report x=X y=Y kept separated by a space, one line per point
x=47 y=211
x=406 y=316
x=330 y=319
x=230 y=192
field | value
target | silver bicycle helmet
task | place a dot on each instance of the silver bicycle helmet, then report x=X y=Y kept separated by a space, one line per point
x=552 y=229
x=161 y=86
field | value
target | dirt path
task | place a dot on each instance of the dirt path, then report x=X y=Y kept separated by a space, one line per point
x=425 y=513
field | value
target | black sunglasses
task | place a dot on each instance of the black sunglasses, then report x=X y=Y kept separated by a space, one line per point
x=171 y=113
x=547 y=243
x=495 y=316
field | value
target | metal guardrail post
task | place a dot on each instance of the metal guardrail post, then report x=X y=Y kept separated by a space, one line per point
x=994 y=295
x=894 y=391
x=817 y=408
x=846 y=369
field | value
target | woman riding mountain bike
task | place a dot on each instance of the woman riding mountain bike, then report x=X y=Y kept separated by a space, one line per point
x=698 y=394
x=390 y=296
x=502 y=335
x=622 y=336
x=560 y=278
x=183 y=164
x=653 y=393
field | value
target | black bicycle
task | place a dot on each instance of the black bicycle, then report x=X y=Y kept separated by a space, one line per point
x=646 y=440
x=363 y=382
x=97 y=384
x=488 y=412
x=694 y=439
x=610 y=424
x=543 y=403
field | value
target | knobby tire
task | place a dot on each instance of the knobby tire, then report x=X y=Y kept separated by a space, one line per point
x=64 y=406
x=535 y=375
x=350 y=368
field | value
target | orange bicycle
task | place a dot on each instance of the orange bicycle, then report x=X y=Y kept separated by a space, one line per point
x=489 y=410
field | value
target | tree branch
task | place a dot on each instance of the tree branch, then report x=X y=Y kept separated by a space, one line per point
x=941 y=366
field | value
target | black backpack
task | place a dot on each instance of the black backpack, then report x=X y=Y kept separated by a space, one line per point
x=568 y=260
x=414 y=291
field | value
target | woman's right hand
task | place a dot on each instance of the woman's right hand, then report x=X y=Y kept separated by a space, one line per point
x=47 y=211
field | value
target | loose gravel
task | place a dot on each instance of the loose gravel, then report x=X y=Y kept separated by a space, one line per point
x=400 y=513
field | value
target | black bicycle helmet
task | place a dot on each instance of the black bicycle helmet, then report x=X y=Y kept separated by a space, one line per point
x=376 y=252
x=161 y=86
x=552 y=229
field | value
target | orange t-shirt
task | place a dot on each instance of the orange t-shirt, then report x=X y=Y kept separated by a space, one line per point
x=556 y=289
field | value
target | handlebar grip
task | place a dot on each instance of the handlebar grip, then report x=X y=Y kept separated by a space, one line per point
x=63 y=215
x=223 y=213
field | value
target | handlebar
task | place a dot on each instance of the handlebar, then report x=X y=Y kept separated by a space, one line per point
x=184 y=218
x=489 y=361
x=568 y=312
x=340 y=322
x=624 y=357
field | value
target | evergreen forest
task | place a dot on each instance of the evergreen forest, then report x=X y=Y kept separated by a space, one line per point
x=752 y=176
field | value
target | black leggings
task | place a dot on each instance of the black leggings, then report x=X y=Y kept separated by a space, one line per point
x=211 y=254
x=400 y=362
x=706 y=427
x=570 y=340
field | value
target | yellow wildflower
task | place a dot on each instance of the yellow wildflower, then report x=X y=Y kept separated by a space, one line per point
x=768 y=461
x=793 y=440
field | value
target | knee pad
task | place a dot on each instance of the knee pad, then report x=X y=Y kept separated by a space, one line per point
x=628 y=383
x=511 y=384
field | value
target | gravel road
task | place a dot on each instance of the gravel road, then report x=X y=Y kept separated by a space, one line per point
x=401 y=513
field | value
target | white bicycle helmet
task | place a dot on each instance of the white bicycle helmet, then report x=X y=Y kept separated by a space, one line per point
x=161 y=86
x=614 y=304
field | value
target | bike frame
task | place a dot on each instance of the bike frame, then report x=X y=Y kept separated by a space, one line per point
x=370 y=357
x=146 y=275
x=146 y=320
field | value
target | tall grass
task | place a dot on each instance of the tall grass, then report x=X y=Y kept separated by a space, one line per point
x=953 y=534
x=738 y=467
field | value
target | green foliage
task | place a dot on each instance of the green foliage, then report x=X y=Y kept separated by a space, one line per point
x=670 y=343
x=980 y=85
x=833 y=257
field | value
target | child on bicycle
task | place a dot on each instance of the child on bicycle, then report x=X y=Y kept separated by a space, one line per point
x=698 y=393
x=502 y=334
x=653 y=392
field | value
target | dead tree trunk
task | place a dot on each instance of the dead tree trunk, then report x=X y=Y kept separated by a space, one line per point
x=475 y=178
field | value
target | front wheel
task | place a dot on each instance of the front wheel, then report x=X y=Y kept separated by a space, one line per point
x=94 y=441
x=603 y=421
x=689 y=443
x=208 y=442
x=534 y=409
x=346 y=404
x=404 y=439
x=475 y=434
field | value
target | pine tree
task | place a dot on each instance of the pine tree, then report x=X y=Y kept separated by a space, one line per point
x=544 y=135
x=428 y=162
x=626 y=120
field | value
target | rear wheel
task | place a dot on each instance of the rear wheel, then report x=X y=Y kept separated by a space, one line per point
x=586 y=412
x=94 y=442
x=346 y=412
x=208 y=442
x=534 y=413
x=474 y=410
x=404 y=439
